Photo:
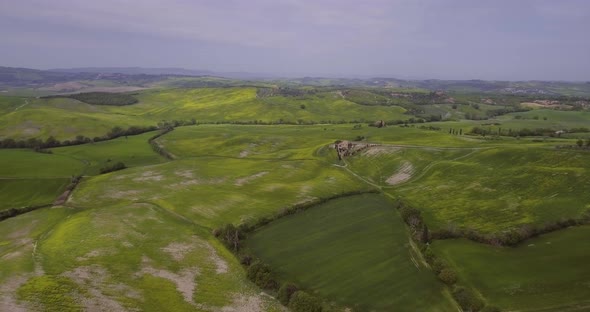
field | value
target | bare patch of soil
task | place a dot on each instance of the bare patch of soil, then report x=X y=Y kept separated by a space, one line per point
x=220 y=264
x=184 y=280
x=8 y=289
x=149 y=176
x=403 y=174
x=244 y=303
x=23 y=231
x=93 y=278
x=184 y=173
x=178 y=250
x=244 y=180
x=129 y=194
x=378 y=150
x=94 y=253
x=12 y=255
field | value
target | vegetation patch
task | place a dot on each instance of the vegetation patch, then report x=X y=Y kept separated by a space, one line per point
x=518 y=278
x=351 y=234
x=102 y=98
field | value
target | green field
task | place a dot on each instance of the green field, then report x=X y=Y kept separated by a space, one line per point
x=214 y=191
x=497 y=189
x=21 y=163
x=548 y=273
x=66 y=118
x=353 y=251
x=133 y=151
x=15 y=193
x=141 y=239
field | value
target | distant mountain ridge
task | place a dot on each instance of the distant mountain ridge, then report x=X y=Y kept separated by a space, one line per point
x=135 y=71
x=138 y=76
x=176 y=71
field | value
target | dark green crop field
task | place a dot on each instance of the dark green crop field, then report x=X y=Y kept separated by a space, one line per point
x=548 y=273
x=354 y=251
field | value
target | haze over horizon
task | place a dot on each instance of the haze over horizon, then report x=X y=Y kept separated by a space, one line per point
x=455 y=39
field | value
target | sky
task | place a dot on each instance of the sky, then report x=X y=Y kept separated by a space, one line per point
x=413 y=39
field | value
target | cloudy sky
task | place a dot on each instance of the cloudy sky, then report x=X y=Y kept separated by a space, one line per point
x=445 y=39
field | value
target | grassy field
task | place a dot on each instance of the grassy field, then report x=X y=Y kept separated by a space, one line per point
x=21 y=163
x=213 y=191
x=548 y=273
x=534 y=119
x=66 y=118
x=18 y=238
x=140 y=238
x=15 y=193
x=353 y=251
x=496 y=189
x=133 y=151
x=294 y=142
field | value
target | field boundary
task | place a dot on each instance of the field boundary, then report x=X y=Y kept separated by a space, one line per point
x=159 y=148
x=61 y=200
x=259 y=272
x=13 y=212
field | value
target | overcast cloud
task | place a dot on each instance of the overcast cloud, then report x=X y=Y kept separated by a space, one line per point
x=446 y=39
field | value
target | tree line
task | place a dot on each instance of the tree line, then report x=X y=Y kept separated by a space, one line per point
x=100 y=98
x=50 y=142
x=13 y=212
x=524 y=132
x=421 y=236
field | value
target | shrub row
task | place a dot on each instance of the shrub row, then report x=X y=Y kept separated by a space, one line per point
x=287 y=293
x=114 y=167
x=156 y=147
x=13 y=212
x=39 y=145
x=465 y=297
x=100 y=98
x=511 y=237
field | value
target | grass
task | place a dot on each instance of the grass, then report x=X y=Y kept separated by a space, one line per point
x=18 y=237
x=497 y=189
x=138 y=254
x=15 y=193
x=20 y=163
x=353 y=251
x=293 y=142
x=133 y=151
x=548 y=273
x=114 y=242
x=63 y=119
x=66 y=118
x=379 y=164
x=214 y=191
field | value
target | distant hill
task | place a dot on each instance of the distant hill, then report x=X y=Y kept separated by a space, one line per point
x=135 y=71
x=163 y=71
x=20 y=77
x=138 y=76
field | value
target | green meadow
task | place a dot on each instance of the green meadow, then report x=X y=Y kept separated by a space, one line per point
x=547 y=273
x=15 y=193
x=142 y=238
x=497 y=189
x=133 y=151
x=65 y=118
x=355 y=252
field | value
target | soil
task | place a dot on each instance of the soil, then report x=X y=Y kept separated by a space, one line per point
x=244 y=180
x=403 y=174
x=184 y=280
